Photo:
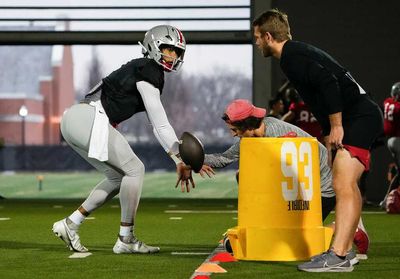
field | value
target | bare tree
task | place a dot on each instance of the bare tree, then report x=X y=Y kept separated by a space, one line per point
x=178 y=101
x=215 y=92
x=95 y=74
x=95 y=70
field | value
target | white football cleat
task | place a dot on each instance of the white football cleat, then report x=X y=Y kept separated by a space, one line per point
x=135 y=246
x=69 y=236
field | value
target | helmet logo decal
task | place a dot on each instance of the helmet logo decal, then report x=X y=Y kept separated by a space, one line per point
x=180 y=36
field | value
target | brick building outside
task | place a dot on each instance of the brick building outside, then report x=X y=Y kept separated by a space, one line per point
x=41 y=79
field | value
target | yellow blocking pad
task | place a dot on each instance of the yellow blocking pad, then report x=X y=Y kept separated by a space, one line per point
x=279 y=211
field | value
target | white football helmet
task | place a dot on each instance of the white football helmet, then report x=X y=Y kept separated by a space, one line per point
x=395 y=92
x=162 y=36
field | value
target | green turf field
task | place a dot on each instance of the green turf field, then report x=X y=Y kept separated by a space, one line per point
x=79 y=185
x=28 y=249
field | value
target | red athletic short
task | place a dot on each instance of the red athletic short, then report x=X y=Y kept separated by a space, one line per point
x=363 y=155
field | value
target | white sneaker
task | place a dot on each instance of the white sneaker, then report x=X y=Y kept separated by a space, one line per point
x=134 y=246
x=68 y=235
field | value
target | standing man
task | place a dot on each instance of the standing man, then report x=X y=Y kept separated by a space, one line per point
x=392 y=131
x=89 y=128
x=350 y=121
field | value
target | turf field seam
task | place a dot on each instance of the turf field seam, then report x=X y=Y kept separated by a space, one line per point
x=201 y=211
x=367 y=212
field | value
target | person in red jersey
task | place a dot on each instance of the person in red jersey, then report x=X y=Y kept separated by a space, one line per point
x=391 y=126
x=300 y=115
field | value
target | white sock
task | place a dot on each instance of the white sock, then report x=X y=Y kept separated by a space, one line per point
x=361 y=225
x=77 y=217
x=125 y=230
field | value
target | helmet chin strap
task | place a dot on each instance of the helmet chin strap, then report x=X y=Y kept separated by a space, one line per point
x=168 y=67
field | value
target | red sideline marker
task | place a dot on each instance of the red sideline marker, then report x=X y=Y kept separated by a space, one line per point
x=223 y=257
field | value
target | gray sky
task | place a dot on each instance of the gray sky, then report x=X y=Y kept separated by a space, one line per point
x=199 y=59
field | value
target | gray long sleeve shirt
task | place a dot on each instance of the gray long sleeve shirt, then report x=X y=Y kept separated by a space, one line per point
x=277 y=128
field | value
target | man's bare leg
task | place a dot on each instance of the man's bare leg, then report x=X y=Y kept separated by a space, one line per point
x=346 y=172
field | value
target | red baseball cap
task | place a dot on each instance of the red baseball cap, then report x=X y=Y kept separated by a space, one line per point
x=241 y=109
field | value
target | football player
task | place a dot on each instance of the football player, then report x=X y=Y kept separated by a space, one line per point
x=276 y=108
x=300 y=115
x=89 y=128
x=391 y=123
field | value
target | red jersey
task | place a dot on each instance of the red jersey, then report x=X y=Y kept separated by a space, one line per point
x=391 y=117
x=305 y=120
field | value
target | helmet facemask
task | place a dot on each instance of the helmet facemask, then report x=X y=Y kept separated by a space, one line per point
x=176 y=63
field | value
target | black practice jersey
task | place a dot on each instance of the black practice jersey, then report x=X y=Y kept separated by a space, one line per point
x=325 y=86
x=120 y=96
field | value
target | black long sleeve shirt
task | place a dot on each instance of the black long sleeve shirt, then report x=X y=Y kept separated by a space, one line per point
x=120 y=96
x=321 y=81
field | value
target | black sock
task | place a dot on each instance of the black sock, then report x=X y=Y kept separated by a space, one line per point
x=341 y=257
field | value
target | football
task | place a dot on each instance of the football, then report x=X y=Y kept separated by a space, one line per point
x=393 y=201
x=227 y=245
x=191 y=151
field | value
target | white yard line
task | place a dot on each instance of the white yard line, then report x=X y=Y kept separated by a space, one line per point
x=175 y=218
x=189 y=253
x=80 y=255
x=4 y=219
